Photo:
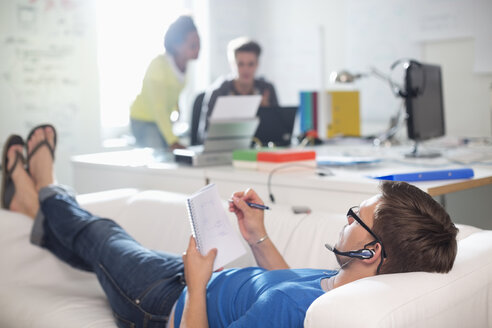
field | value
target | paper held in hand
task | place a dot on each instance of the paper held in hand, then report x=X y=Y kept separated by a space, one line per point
x=211 y=227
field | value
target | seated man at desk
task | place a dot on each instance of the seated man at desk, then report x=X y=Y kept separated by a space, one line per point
x=243 y=55
x=400 y=230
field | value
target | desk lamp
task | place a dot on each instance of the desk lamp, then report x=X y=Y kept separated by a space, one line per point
x=345 y=76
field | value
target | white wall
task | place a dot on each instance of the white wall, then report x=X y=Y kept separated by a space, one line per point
x=228 y=19
x=467 y=94
x=303 y=41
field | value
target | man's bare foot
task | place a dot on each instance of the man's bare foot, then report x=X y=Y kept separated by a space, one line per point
x=25 y=198
x=41 y=162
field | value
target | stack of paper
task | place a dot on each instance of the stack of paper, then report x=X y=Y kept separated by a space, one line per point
x=294 y=159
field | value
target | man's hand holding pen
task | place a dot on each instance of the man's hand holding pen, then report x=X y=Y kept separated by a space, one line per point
x=250 y=217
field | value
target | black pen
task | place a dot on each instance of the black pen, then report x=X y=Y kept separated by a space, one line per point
x=258 y=206
x=254 y=205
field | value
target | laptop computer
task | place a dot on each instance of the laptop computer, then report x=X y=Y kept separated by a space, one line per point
x=231 y=126
x=276 y=125
x=222 y=138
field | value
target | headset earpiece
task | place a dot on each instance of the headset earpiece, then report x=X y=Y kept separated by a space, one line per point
x=364 y=253
x=361 y=254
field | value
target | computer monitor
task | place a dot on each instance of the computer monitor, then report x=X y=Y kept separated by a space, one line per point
x=424 y=103
x=276 y=125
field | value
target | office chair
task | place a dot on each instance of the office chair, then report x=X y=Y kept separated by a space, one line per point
x=195 y=119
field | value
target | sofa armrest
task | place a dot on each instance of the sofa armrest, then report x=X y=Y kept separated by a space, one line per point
x=460 y=298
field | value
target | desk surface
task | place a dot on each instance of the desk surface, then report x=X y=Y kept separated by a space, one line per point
x=355 y=180
x=136 y=168
x=101 y=171
x=135 y=160
x=392 y=161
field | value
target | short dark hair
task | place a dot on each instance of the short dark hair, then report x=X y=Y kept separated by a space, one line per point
x=177 y=32
x=416 y=231
x=242 y=44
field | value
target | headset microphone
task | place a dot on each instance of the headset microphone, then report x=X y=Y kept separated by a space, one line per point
x=362 y=254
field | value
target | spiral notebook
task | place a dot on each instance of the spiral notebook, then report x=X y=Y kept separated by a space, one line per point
x=211 y=226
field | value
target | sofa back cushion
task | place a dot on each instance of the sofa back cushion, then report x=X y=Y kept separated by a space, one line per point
x=159 y=220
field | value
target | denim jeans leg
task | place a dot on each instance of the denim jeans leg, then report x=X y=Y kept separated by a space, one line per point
x=147 y=134
x=141 y=285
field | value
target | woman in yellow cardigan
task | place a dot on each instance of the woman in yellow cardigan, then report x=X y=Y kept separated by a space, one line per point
x=154 y=109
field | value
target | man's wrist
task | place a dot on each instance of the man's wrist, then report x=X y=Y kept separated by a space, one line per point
x=197 y=290
x=258 y=241
x=262 y=239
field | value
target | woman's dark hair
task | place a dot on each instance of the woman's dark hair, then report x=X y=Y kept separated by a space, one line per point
x=177 y=32
x=416 y=231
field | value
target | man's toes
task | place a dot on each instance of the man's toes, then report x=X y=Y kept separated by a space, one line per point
x=35 y=139
x=30 y=143
x=13 y=151
x=38 y=136
x=50 y=135
x=12 y=154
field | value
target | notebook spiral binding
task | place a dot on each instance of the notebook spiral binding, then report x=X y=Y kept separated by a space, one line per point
x=194 y=228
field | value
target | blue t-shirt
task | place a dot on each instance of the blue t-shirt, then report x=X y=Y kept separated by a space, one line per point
x=255 y=297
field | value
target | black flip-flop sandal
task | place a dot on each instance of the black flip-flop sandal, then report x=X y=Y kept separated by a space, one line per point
x=8 y=187
x=40 y=144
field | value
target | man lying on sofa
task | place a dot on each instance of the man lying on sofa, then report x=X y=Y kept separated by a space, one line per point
x=403 y=229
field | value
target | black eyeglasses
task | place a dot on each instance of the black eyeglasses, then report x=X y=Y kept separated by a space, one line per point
x=352 y=213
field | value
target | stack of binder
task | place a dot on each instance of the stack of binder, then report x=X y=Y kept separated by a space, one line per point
x=330 y=113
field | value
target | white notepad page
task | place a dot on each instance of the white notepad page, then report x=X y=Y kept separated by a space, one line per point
x=211 y=226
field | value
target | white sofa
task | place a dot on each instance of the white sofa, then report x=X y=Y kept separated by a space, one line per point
x=38 y=290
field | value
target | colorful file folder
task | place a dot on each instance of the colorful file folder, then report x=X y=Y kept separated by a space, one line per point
x=463 y=173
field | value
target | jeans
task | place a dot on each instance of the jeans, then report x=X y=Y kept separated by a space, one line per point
x=147 y=134
x=141 y=285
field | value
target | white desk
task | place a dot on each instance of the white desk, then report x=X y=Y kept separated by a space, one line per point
x=136 y=168
x=347 y=187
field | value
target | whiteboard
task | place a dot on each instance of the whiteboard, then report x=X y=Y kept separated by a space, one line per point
x=48 y=73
